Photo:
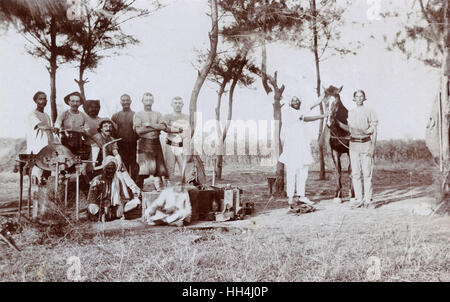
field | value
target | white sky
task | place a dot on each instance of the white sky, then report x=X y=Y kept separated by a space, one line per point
x=400 y=91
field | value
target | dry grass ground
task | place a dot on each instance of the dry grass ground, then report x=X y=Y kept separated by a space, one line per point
x=335 y=243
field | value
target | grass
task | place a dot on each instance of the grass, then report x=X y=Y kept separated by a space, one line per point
x=331 y=244
x=414 y=250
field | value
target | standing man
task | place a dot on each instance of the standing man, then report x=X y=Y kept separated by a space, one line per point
x=39 y=132
x=148 y=125
x=296 y=153
x=73 y=123
x=362 y=125
x=92 y=108
x=174 y=141
x=125 y=131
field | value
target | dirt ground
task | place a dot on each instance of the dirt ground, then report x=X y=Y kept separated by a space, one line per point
x=333 y=243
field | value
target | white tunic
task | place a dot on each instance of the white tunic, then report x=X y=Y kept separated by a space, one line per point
x=37 y=138
x=295 y=137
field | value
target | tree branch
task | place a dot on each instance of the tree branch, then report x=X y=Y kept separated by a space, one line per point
x=433 y=29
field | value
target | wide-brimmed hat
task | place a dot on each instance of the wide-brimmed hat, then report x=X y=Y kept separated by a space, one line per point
x=67 y=97
x=106 y=120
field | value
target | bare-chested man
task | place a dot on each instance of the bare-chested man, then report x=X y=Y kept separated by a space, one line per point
x=173 y=152
x=148 y=125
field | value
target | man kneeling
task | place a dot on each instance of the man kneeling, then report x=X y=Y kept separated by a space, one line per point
x=108 y=192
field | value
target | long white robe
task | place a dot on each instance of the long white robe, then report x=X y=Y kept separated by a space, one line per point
x=37 y=138
x=295 y=137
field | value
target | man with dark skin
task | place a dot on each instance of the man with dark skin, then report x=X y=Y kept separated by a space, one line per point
x=127 y=146
x=92 y=108
x=296 y=153
x=39 y=132
x=108 y=192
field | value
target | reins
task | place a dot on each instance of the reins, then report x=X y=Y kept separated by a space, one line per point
x=332 y=135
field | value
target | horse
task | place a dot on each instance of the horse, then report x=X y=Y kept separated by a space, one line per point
x=339 y=138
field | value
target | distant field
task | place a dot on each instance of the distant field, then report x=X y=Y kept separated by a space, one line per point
x=387 y=151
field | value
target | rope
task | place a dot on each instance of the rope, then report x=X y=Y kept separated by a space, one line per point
x=338 y=138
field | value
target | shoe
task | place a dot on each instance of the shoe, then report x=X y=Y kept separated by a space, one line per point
x=292 y=210
x=306 y=200
x=357 y=204
x=353 y=201
x=370 y=205
x=178 y=223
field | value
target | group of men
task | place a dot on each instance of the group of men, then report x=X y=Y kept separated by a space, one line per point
x=126 y=149
x=361 y=124
x=128 y=144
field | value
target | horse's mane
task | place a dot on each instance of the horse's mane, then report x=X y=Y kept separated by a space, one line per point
x=342 y=112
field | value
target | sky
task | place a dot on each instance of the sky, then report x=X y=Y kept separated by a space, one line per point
x=400 y=91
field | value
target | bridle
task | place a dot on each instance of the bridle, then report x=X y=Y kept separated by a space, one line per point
x=333 y=135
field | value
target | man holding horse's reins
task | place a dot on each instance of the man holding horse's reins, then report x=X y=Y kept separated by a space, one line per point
x=362 y=125
x=296 y=153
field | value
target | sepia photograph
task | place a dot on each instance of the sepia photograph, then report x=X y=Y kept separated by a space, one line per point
x=224 y=141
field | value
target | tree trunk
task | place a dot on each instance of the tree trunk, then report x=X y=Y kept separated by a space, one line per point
x=279 y=183
x=213 y=38
x=445 y=98
x=52 y=70
x=219 y=157
x=322 y=175
x=278 y=94
x=225 y=130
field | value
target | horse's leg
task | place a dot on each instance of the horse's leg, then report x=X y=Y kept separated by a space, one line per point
x=335 y=157
x=338 y=198
x=352 y=190
x=340 y=175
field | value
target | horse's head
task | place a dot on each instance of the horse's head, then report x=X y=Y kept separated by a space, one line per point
x=331 y=99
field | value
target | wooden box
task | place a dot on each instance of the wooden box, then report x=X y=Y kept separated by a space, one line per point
x=202 y=203
x=231 y=200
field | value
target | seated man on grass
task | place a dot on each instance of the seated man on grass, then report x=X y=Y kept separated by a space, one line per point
x=108 y=192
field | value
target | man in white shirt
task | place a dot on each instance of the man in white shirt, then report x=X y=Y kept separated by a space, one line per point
x=362 y=125
x=296 y=155
x=39 y=132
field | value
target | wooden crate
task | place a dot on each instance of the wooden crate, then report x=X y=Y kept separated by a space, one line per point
x=201 y=202
x=231 y=200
